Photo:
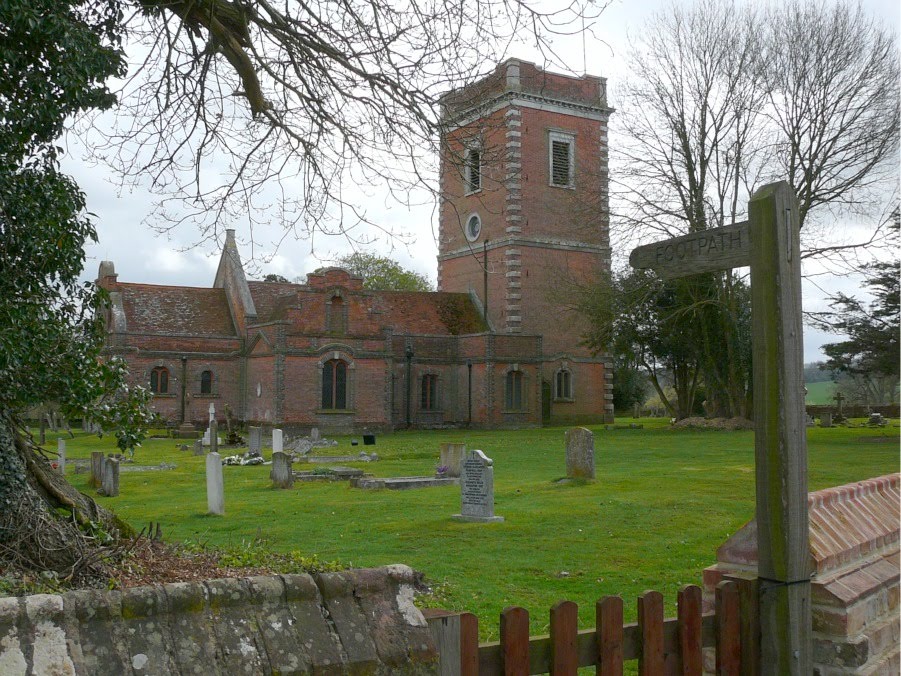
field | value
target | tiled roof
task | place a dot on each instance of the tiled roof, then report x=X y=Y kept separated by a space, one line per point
x=152 y=309
x=273 y=298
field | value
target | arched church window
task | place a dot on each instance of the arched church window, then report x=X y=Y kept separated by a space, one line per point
x=159 y=380
x=206 y=382
x=334 y=384
x=563 y=384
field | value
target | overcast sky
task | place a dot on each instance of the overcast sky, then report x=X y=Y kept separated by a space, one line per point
x=142 y=255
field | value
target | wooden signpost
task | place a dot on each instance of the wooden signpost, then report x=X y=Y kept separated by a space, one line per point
x=768 y=242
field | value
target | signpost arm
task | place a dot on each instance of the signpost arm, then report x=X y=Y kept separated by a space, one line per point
x=780 y=438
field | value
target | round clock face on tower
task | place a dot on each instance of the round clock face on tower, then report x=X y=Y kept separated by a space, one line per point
x=473 y=227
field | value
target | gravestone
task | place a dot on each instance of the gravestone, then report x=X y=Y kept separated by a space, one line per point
x=214 y=436
x=61 y=452
x=110 y=484
x=810 y=422
x=826 y=420
x=278 y=441
x=579 y=453
x=96 y=479
x=255 y=440
x=281 y=474
x=369 y=440
x=451 y=456
x=215 y=487
x=314 y=434
x=206 y=437
x=198 y=447
x=477 y=489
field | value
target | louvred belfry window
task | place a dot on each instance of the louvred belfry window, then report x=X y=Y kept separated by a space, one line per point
x=561 y=165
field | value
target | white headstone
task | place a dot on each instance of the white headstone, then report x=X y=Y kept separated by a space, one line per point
x=61 y=451
x=215 y=487
x=477 y=489
x=212 y=411
x=277 y=441
x=579 y=453
x=206 y=438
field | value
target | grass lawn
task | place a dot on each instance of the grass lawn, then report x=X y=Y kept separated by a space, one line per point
x=664 y=500
x=820 y=393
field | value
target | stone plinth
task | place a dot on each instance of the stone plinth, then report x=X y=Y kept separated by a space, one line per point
x=854 y=559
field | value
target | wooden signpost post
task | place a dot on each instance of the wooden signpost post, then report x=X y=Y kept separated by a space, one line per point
x=768 y=243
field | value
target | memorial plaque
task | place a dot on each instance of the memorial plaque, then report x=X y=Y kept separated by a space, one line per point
x=477 y=489
x=707 y=251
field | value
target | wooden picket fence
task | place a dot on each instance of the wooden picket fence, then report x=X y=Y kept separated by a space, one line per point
x=663 y=647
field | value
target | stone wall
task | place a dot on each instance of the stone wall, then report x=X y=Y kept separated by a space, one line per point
x=854 y=558
x=360 y=621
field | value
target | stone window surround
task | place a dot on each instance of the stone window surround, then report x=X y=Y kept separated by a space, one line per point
x=341 y=354
x=564 y=136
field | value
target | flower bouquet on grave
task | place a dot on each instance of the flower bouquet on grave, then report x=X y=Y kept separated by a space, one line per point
x=441 y=471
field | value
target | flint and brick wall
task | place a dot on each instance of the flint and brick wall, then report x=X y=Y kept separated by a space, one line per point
x=854 y=558
x=359 y=621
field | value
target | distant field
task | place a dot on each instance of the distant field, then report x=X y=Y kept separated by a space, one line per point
x=820 y=393
x=663 y=501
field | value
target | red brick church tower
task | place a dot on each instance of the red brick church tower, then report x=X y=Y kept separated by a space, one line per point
x=524 y=218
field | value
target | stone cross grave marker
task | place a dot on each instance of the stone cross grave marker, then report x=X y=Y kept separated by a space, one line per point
x=839 y=398
x=255 y=440
x=215 y=486
x=110 y=483
x=769 y=243
x=278 y=441
x=212 y=411
x=477 y=489
x=61 y=452
x=451 y=456
x=579 y=453
x=214 y=436
x=282 y=474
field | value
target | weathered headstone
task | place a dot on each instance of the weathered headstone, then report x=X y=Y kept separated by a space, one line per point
x=826 y=419
x=281 y=473
x=110 y=484
x=255 y=440
x=278 y=441
x=215 y=486
x=61 y=452
x=314 y=434
x=810 y=422
x=451 y=456
x=214 y=436
x=96 y=479
x=477 y=489
x=206 y=437
x=198 y=447
x=579 y=453
x=369 y=440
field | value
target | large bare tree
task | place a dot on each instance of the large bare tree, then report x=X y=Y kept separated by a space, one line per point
x=725 y=97
x=279 y=111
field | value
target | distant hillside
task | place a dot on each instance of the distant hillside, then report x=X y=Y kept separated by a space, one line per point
x=820 y=393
